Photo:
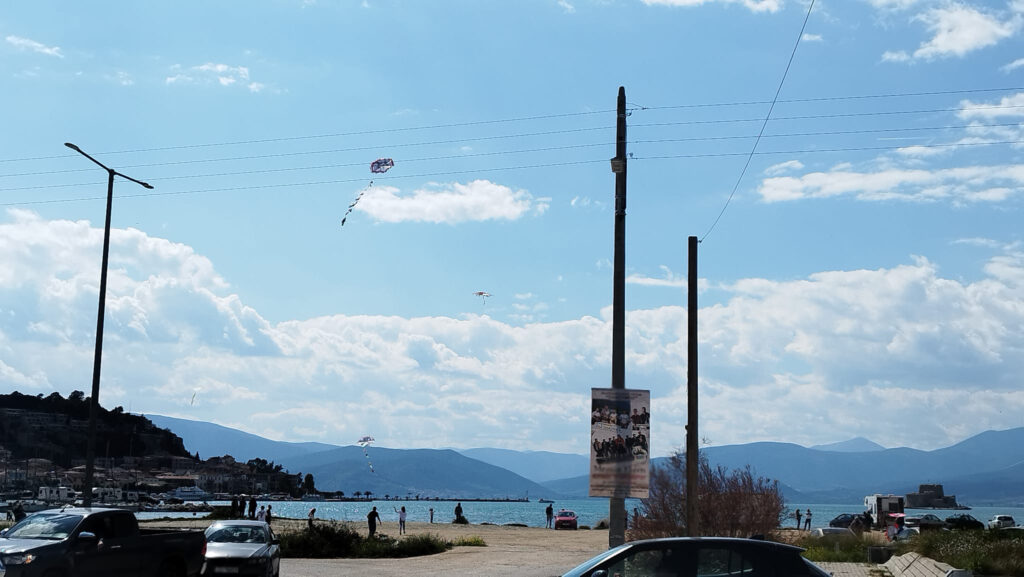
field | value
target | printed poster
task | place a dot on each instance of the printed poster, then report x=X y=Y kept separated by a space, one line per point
x=620 y=427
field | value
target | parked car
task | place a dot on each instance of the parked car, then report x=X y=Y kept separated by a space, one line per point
x=907 y=533
x=925 y=522
x=565 y=519
x=1001 y=521
x=242 y=548
x=97 y=542
x=963 y=521
x=843 y=520
x=832 y=532
x=719 y=556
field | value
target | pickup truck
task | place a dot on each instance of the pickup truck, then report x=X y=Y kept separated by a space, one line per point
x=95 y=542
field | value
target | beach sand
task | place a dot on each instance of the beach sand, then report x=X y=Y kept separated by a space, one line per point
x=518 y=551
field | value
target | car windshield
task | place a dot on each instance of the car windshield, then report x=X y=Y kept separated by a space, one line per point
x=566 y=514
x=236 y=534
x=55 y=526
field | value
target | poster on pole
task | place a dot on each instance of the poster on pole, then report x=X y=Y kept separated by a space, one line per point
x=620 y=427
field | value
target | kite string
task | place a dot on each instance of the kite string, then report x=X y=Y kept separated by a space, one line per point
x=353 y=204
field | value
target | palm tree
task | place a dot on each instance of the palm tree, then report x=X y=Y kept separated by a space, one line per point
x=357 y=494
x=368 y=494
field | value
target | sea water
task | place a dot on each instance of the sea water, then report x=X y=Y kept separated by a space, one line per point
x=531 y=513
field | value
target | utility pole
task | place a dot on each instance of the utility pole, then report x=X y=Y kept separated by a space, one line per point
x=94 y=399
x=617 y=505
x=692 y=460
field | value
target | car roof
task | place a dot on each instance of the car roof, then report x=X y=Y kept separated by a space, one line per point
x=724 y=540
x=238 y=523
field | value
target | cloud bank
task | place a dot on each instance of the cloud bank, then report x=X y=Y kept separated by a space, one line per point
x=936 y=358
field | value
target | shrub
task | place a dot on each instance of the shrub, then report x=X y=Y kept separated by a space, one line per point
x=473 y=541
x=325 y=541
x=984 y=552
x=221 y=513
x=733 y=503
x=417 y=545
x=833 y=548
x=461 y=520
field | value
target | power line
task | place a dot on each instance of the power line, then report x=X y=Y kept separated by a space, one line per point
x=488 y=169
x=778 y=91
x=560 y=115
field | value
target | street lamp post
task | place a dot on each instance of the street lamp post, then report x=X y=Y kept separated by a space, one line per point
x=94 y=399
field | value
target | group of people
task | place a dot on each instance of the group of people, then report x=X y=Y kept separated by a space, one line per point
x=619 y=448
x=807 y=519
x=238 y=507
x=373 y=518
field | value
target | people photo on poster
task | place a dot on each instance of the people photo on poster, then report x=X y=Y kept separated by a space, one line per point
x=620 y=426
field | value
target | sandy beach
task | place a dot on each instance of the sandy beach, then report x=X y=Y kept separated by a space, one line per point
x=519 y=551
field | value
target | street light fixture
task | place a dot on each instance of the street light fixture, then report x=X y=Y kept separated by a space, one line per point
x=94 y=399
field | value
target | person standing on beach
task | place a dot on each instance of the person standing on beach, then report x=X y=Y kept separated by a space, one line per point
x=309 y=518
x=458 y=511
x=798 y=519
x=549 y=513
x=401 y=520
x=807 y=520
x=268 y=516
x=372 y=518
x=252 y=507
x=262 y=515
x=431 y=514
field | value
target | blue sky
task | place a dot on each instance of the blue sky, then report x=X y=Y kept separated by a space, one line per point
x=866 y=277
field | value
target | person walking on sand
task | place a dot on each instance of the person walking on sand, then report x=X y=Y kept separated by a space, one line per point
x=550 y=513
x=309 y=518
x=401 y=520
x=372 y=518
x=798 y=515
x=807 y=520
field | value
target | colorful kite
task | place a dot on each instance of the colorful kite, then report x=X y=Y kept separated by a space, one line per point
x=483 y=295
x=381 y=165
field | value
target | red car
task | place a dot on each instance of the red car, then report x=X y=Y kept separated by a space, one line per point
x=565 y=519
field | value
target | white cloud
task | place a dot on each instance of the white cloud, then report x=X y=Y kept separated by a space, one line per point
x=772 y=353
x=783 y=167
x=897 y=56
x=1013 y=65
x=1007 y=107
x=959 y=29
x=567 y=6
x=807 y=37
x=31 y=45
x=214 y=73
x=478 y=200
x=965 y=184
x=752 y=5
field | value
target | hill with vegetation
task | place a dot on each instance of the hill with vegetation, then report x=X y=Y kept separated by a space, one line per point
x=56 y=429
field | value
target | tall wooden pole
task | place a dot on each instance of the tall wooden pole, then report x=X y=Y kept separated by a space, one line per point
x=692 y=461
x=617 y=505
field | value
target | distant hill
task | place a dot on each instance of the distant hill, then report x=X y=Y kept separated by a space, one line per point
x=538 y=466
x=985 y=469
x=855 y=445
x=210 y=440
x=412 y=472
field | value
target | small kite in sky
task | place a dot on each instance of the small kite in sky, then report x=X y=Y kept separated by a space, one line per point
x=483 y=295
x=364 y=442
x=381 y=165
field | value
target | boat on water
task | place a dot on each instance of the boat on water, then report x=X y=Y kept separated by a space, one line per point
x=190 y=494
x=545 y=501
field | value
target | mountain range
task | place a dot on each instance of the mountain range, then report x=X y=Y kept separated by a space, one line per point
x=987 y=468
